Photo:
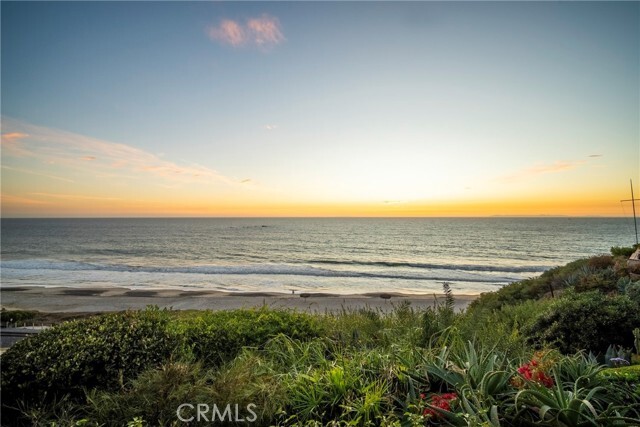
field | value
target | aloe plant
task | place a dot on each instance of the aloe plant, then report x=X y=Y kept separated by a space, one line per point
x=573 y=407
x=579 y=368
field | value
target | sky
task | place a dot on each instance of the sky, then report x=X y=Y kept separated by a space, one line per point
x=126 y=109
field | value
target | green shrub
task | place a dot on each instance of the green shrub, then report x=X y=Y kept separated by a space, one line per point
x=600 y=262
x=215 y=337
x=587 y=321
x=603 y=280
x=16 y=315
x=624 y=374
x=622 y=251
x=504 y=329
x=513 y=293
x=547 y=283
x=102 y=351
x=633 y=292
x=353 y=389
x=356 y=327
x=154 y=396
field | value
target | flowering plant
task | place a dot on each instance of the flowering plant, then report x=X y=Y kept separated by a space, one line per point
x=618 y=361
x=440 y=401
x=535 y=371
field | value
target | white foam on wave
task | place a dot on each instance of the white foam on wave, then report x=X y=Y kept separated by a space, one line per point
x=254 y=269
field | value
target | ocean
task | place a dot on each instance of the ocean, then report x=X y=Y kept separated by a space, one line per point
x=335 y=255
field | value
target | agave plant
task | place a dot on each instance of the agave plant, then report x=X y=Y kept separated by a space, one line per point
x=579 y=369
x=485 y=371
x=575 y=407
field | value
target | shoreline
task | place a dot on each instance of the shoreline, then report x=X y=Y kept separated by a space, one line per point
x=102 y=299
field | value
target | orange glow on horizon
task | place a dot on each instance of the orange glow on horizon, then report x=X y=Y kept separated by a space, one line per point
x=13 y=206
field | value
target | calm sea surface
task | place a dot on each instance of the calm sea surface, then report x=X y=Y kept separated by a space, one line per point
x=279 y=255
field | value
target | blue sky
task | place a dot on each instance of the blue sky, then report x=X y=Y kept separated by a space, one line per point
x=328 y=104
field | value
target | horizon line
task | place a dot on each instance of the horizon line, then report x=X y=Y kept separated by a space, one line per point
x=317 y=217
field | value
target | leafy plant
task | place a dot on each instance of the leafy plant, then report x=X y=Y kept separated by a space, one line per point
x=601 y=279
x=103 y=352
x=588 y=321
x=581 y=369
x=576 y=406
x=622 y=251
x=16 y=315
x=215 y=337
x=154 y=395
x=600 y=262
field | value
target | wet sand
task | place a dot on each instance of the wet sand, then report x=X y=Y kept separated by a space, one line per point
x=95 y=299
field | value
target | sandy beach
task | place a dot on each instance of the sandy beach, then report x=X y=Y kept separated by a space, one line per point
x=95 y=299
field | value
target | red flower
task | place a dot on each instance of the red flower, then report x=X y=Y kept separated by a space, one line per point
x=440 y=401
x=533 y=372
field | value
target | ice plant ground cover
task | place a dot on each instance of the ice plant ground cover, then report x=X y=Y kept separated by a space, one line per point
x=482 y=367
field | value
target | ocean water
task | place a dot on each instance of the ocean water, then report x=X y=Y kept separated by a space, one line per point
x=334 y=255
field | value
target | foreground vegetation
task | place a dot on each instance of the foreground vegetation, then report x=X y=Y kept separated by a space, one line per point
x=543 y=352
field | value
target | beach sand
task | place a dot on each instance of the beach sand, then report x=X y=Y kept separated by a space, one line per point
x=63 y=299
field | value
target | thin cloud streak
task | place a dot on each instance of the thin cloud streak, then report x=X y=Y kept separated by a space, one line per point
x=263 y=32
x=14 y=135
x=30 y=172
x=12 y=145
x=73 y=196
x=530 y=172
x=80 y=152
x=11 y=199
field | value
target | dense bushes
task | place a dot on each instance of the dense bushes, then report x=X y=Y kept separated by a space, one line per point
x=107 y=352
x=587 y=321
x=101 y=352
x=623 y=251
x=356 y=367
x=16 y=315
x=154 y=395
x=216 y=337
x=600 y=272
x=603 y=280
x=550 y=282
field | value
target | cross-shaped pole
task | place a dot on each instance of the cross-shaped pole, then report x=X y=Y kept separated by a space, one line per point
x=633 y=203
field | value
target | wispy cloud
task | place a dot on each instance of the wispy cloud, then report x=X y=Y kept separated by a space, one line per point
x=595 y=155
x=540 y=169
x=263 y=32
x=270 y=127
x=12 y=145
x=11 y=199
x=79 y=152
x=73 y=196
x=30 y=172
x=13 y=135
x=229 y=32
